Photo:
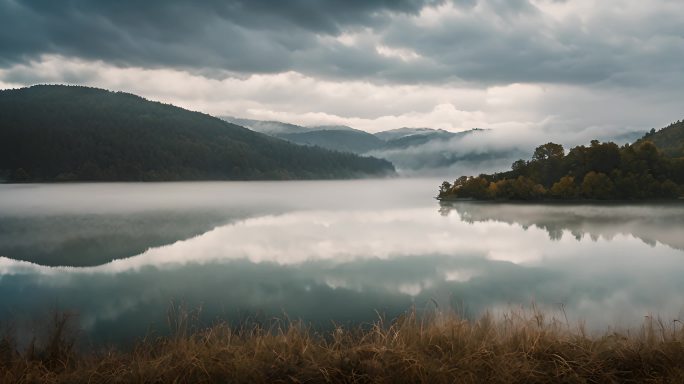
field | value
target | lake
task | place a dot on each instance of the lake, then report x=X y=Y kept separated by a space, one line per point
x=120 y=255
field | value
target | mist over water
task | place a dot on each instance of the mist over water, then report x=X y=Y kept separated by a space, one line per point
x=119 y=254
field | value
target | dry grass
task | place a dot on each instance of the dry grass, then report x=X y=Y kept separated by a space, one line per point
x=515 y=348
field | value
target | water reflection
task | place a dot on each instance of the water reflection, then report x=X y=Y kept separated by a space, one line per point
x=662 y=222
x=93 y=239
x=346 y=261
x=91 y=224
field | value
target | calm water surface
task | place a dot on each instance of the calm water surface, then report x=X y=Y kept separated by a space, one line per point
x=120 y=254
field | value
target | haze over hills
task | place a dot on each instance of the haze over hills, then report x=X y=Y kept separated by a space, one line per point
x=272 y=128
x=475 y=153
x=353 y=141
x=339 y=138
x=424 y=136
x=414 y=151
x=347 y=139
x=69 y=133
x=393 y=134
x=334 y=128
x=420 y=151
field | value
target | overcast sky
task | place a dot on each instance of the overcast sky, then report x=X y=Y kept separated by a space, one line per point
x=566 y=68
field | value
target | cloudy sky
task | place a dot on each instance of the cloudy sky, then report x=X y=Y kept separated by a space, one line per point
x=560 y=68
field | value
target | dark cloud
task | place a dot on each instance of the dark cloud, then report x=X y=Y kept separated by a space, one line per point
x=505 y=42
x=484 y=42
x=243 y=36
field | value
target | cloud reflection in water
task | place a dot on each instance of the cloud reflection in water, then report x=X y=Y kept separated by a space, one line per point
x=343 y=265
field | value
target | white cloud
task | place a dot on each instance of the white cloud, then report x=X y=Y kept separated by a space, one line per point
x=401 y=53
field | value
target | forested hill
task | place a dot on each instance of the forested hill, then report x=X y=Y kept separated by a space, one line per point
x=670 y=139
x=69 y=133
x=601 y=171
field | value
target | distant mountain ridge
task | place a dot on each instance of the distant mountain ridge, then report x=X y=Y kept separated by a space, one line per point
x=339 y=138
x=73 y=133
x=347 y=139
x=411 y=150
x=398 y=133
x=424 y=136
x=353 y=141
x=267 y=127
x=416 y=150
x=334 y=128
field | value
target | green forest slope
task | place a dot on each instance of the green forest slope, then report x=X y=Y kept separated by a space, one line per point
x=670 y=139
x=600 y=171
x=69 y=133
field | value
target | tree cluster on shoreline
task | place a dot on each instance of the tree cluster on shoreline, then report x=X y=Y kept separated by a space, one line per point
x=600 y=171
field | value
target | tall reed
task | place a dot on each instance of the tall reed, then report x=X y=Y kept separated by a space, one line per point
x=517 y=347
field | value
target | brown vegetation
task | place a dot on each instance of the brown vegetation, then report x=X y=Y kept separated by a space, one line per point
x=439 y=349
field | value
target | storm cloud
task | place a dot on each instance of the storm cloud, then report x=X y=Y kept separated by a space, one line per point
x=223 y=36
x=483 y=41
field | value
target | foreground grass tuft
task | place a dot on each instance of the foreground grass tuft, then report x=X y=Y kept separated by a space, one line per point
x=514 y=348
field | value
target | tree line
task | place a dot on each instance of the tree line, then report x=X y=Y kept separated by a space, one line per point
x=600 y=171
x=68 y=133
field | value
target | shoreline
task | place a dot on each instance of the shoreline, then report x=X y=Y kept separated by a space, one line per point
x=679 y=200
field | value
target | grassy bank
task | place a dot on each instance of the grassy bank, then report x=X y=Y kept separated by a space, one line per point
x=513 y=348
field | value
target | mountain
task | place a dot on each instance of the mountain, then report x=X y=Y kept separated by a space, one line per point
x=398 y=133
x=334 y=128
x=339 y=138
x=418 y=139
x=412 y=150
x=351 y=140
x=670 y=139
x=424 y=137
x=273 y=128
x=347 y=139
x=63 y=133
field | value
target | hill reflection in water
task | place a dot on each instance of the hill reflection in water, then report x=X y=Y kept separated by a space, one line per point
x=662 y=223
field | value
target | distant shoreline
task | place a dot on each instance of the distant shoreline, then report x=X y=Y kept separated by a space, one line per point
x=679 y=200
x=54 y=182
